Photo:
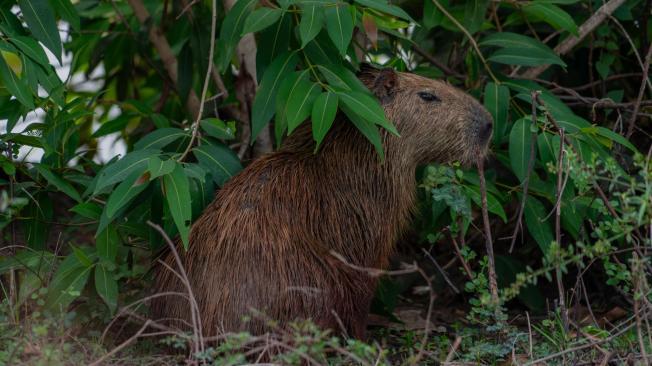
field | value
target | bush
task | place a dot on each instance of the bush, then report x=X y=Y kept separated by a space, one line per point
x=122 y=116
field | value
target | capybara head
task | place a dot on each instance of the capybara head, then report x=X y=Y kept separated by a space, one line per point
x=438 y=122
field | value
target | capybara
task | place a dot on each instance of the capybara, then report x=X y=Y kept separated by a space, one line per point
x=267 y=240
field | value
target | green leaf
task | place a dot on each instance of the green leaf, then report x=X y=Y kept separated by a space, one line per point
x=493 y=205
x=312 y=21
x=32 y=49
x=541 y=230
x=609 y=134
x=276 y=40
x=551 y=14
x=67 y=11
x=107 y=287
x=217 y=128
x=106 y=244
x=261 y=19
x=58 y=182
x=160 y=138
x=158 y=167
x=496 y=100
x=50 y=81
x=322 y=51
x=231 y=30
x=88 y=210
x=323 y=115
x=27 y=259
x=474 y=12
x=40 y=20
x=521 y=42
x=67 y=284
x=368 y=108
x=368 y=130
x=300 y=100
x=82 y=257
x=40 y=213
x=135 y=161
x=520 y=142
x=114 y=125
x=218 y=159
x=339 y=25
x=127 y=190
x=263 y=106
x=177 y=195
x=525 y=57
x=341 y=78
x=280 y=120
x=548 y=146
x=383 y=6
x=18 y=87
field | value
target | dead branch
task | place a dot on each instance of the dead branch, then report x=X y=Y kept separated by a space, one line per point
x=569 y=43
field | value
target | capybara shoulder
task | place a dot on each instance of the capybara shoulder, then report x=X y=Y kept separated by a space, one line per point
x=290 y=236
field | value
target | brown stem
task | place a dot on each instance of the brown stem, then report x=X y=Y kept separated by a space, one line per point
x=162 y=46
x=194 y=307
x=467 y=269
x=207 y=78
x=493 y=283
x=558 y=272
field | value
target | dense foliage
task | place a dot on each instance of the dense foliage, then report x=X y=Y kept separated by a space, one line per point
x=119 y=117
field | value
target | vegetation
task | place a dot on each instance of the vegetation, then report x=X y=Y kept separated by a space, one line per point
x=121 y=118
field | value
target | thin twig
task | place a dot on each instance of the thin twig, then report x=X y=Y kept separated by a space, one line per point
x=541 y=361
x=558 y=272
x=433 y=60
x=469 y=37
x=458 y=252
x=441 y=271
x=493 y=283
x=194 y=307
x=641 y=91
x=638 y=274
x=530 y=166
x=207 y=79
x=451 y=354
x=633 y=46
x=122 y=345
x=529 y=334
x=426 y=330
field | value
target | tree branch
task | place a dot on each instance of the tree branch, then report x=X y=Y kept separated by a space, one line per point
x=569 y=43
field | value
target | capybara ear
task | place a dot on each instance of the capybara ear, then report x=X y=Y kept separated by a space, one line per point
x=382 y=82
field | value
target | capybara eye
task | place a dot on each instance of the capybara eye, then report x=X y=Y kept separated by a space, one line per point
x=428 y=97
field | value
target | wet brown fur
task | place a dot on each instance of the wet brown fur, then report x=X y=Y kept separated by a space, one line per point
x=264 y=243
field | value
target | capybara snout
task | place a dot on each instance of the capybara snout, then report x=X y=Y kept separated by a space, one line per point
x=290 y=235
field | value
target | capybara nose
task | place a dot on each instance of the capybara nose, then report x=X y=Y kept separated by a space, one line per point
x=485 y=128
